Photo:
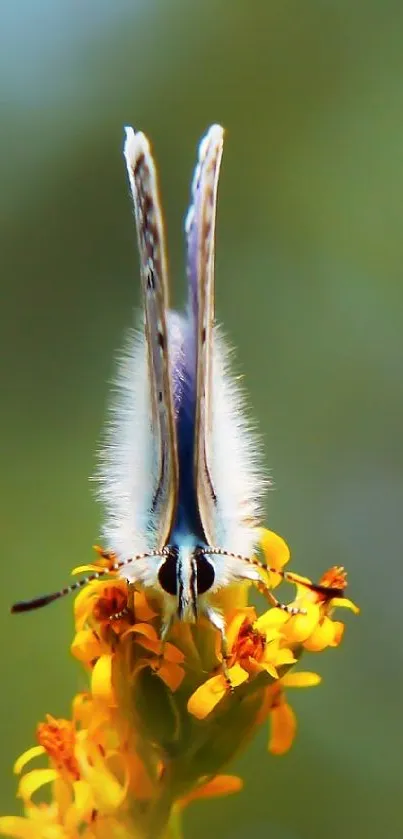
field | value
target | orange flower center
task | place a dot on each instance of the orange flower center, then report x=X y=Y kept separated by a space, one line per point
x=335 y=577
x=58 y=739
x=249 y=644
x=113 y=601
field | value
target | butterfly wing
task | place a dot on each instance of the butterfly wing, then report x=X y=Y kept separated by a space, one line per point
x=200 y=231
x=154 y=280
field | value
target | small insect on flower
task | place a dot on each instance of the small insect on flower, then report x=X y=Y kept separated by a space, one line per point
x=180 y=473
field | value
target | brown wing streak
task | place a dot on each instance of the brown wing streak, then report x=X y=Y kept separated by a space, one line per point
x=205 y=216
x=154 y=279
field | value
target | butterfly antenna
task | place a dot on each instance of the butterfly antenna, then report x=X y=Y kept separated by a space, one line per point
x=288 y=576
x=44 y=600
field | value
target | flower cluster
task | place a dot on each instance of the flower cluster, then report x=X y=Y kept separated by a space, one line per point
x=156 y=728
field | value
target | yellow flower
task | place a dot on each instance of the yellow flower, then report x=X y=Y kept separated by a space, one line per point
x=104 y=622
x=254 y=648
x=161 y=719
x=89 y=781
x=314 y=627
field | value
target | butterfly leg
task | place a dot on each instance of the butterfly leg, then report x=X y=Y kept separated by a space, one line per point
x=217 y=620
x=166 y=624
x=165 y=627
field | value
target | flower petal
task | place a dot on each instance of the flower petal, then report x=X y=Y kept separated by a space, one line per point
x=142 y=608
x=23 y=759
x=210 y=693
x=271 y=623
x=283 y=725
x=143 y=629
x=345 y=603
x=207 y=696
x=301 y=679
x=236 y=675
x=83 y=800
x=101 y=679
x=85 y=569
x=84 y=603
x=154 y=647
x=338 y=628
x=232 y=597
x=172 y=654
x=18 y=827
x=220 y=785
x=322 y=636
x=33 y=780
x=107 y=792
x=275 y=549
x=170 y=673
x=284 y=656
x=86 y=645
x=299 y=627
x=270 y=669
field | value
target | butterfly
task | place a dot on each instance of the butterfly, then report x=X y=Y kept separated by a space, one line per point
x=180 y=472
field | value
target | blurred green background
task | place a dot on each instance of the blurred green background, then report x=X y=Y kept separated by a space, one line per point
x=310 y=289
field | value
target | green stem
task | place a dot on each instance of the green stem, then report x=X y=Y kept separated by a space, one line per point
x=174 y=828
x=163 y=817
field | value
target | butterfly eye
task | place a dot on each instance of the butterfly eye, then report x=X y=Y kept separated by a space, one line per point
x=205 y=574
x=167 y=574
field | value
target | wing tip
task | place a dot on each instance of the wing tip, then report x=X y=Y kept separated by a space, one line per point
x=210 y=145
x=213 y=137
x=216 y=130
x=135 y=145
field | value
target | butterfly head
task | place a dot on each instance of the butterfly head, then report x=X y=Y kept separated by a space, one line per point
x=186 y=574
